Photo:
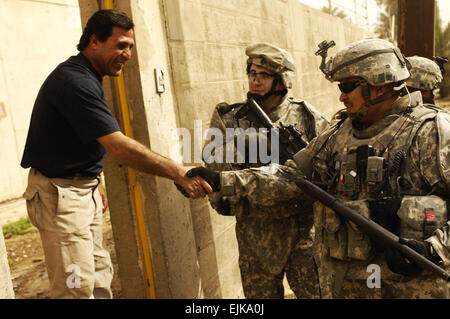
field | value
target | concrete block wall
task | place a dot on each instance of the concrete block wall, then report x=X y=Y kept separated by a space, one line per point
x=39 y=35
x=36 y=37
x=207 y=40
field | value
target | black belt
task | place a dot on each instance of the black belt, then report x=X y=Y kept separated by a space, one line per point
x=80 y=178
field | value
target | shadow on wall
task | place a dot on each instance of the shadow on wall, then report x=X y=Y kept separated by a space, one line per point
x=206 y=249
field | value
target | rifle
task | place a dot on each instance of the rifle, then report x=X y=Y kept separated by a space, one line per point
x=378 y=233
x=290 y=139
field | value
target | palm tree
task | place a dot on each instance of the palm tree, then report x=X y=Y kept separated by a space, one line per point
x=442 y=49
x=387 y=26
x=334 y=11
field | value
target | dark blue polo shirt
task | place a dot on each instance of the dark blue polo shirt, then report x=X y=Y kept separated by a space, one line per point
x=69 y=114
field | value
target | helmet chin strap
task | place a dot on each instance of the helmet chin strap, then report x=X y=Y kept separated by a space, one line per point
x=272 y=91
x=428 y=100
x=369 y=102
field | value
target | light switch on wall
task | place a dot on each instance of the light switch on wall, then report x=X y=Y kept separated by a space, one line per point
x=159 y=80
x=2 y=110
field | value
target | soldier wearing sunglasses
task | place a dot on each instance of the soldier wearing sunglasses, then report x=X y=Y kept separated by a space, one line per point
x=385 y=155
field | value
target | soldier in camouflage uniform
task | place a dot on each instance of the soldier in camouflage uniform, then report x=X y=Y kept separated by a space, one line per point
x=426 y=77
x=273 y=241
x=387 y=156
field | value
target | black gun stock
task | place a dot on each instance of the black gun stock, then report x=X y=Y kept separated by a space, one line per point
x=378 y=233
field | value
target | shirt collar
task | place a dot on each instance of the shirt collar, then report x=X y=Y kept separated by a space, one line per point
x=274 y=114
x=85 y=61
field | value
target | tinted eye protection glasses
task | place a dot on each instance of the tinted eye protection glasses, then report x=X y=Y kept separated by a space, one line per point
x=347 y=87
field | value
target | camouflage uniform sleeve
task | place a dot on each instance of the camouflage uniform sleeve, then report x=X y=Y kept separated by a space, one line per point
x=218 y=123
x=263 y=186
x=426 y=148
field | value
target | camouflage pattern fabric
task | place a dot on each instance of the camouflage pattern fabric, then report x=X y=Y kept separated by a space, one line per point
x=425 y=74
x=272 y=58
x=375 y=60
x=273 y=240
x=345 y=274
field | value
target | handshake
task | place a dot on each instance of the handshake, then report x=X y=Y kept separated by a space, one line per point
x=200 y=175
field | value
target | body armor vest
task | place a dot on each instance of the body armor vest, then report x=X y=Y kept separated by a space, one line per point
x=370 y=171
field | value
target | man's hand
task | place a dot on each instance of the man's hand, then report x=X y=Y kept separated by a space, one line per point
x=138 y=156
x=204 y=176
x=401 y=265
x=193 y=186
x=104 y=198
x=212 y=177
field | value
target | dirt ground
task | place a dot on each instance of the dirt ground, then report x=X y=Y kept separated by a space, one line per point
x=27 y=263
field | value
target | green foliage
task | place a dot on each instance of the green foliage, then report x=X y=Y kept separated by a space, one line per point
x=20 y=227
x=386 y=30
x=387 y=20
x=334 y=12
x=442 y=49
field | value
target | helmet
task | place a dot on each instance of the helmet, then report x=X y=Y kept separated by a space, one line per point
x=425 y=74
x=377 y=61
x=272 y=58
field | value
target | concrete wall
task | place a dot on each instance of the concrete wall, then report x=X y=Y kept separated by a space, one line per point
x=207 y=41
x=35 y=37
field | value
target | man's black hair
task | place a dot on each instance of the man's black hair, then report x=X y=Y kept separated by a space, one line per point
x=101 y=24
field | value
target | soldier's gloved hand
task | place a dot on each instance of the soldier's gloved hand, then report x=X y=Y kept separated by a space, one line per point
x=399 y=264
x=223 y=207
x=182 y=190
x=210 y=176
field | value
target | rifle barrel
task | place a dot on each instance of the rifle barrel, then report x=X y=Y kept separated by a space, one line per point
x=265 y=120
x=373 y=229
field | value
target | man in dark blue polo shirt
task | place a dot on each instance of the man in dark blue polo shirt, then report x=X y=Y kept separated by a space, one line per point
x=70 y=131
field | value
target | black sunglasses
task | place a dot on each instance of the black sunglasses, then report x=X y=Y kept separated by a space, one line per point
x=347 y=87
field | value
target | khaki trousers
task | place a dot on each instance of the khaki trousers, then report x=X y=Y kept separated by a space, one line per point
x=68 y=214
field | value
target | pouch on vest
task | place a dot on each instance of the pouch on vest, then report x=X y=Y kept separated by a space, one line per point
x=335 y=234
x=420 y=216
x=348 y=170
x=326 y=226
x=375 y=165
x=358 y=243
x=343 y=239
x=330 y=230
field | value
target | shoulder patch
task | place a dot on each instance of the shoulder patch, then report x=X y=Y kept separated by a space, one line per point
x=319 y=120
x=296 y=101
x=426 y=111
x=224 y=108
x=443 y=127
